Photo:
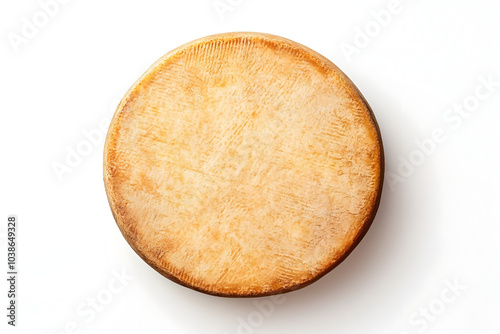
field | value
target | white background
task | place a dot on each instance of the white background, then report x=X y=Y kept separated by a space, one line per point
x=437 y=225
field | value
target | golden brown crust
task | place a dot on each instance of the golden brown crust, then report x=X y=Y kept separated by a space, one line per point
x=243 y=164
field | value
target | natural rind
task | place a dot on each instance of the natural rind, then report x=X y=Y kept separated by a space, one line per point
x=243 y=164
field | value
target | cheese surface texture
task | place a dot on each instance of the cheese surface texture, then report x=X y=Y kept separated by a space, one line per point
x=243 y=164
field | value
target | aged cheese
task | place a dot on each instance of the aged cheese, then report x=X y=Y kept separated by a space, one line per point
x=243 y=164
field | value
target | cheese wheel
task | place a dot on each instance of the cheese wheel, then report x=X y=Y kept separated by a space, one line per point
x=243 y=164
